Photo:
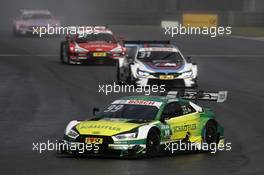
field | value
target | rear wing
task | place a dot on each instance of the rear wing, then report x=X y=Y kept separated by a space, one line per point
x=219 y=97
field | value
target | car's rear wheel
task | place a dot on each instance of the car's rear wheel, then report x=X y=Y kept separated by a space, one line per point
x=152 y=143
x=211 y=137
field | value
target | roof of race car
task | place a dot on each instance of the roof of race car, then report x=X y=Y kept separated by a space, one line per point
x=29 y=11
x=92 y=29
x=156 y=46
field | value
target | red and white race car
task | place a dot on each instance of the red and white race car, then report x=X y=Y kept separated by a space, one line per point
x=97 y=45
x=29 y=19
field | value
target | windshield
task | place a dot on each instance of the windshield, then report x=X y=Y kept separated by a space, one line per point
x=128 y=111
x=37 y=16
x=160 y=56
x=106 y=37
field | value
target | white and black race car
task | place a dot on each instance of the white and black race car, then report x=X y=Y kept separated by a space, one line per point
x=156 y=63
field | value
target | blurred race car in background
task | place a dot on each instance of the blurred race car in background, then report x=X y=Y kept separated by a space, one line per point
x=30 y=19
x=156 y=63
x=143 y=125
x=97 y=45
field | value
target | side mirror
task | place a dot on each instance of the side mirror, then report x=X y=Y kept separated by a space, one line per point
x=130 y=59
x=95 y=111
x=165 y=117
x=189 y=59
x=120 y=38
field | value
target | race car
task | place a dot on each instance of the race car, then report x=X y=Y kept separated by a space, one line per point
x=144 y=125
x=156 y=63
x=95 y=45
x=29 y=19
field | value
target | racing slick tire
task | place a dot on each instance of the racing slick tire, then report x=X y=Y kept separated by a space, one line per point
x=64 y=58
x=152 y=143
x=211 y=137
x=62 y=51
x=118 y=75
x=123 y=79
x=129 y=79
x=15 y=32
x=195 y=86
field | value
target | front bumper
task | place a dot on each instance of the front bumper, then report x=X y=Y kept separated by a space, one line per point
x=92 y=60
x=119 y=150
x=178 y=82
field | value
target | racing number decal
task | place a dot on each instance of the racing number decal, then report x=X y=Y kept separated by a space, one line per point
x=167 y=133
x=144 y=54
x=114 y=108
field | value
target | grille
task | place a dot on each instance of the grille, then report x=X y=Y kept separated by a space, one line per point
x=167 y=83
x=106 y=139
x=157 y=74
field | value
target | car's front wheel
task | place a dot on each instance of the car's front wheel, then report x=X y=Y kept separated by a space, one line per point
x=15 y=32
x=62 y=52
x=64 y=55
x=119 y=75
x=152 y=143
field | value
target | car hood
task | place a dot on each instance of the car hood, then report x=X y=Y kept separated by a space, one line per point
x=107 y=127
x=163 y=65
x=98 y=46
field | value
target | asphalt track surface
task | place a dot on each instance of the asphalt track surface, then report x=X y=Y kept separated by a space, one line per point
x=39 y=96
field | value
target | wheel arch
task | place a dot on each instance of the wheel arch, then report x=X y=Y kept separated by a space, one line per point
x=144 y=131
x=215 y=123
x=156 y=129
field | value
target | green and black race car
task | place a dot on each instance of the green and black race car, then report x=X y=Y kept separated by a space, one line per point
x=145 y=125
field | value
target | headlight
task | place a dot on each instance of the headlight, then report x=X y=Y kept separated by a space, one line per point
x=72 y=133
x=143 y=73
x=78 y=49
x=117 y=50
x=187 y=74
x=127 y=136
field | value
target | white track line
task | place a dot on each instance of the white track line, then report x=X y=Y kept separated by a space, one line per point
x=225 y=55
